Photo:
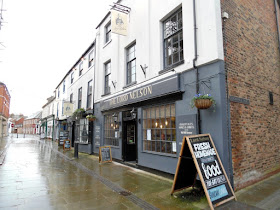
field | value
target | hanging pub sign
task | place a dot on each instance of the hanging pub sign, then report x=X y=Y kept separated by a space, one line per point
x=200 y=150
x=118 y=22
x=68 y=108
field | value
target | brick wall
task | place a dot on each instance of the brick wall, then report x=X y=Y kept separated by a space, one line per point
x=253 y=66
x=4 y=101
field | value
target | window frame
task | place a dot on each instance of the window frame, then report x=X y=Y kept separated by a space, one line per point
x=107 y=77
x=71 y=98
x=107 y=33
x=63 y=86
x=130 y=61
x=80 y=95
x=175 y=34
x=89 y=94
x=72 y=77
x=90 y=58
x=81 y=68
x=161 y=136
x=110 y=127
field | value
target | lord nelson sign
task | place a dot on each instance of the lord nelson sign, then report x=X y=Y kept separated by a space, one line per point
x=162 y=87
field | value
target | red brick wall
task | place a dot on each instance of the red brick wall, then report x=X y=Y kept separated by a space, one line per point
x=4 y=97
x=253 y=65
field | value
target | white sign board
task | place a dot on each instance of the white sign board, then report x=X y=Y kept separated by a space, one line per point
x=68 y=108
x=118 y=22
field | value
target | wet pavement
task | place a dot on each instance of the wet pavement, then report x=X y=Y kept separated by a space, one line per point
x=37 y=174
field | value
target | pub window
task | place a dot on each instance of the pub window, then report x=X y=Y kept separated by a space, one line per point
x=89 y=94
x=81 y=69
x=80 y=98
x=159 y=129
x=111 y=128
x=108 y=32
x=131 y=64
x=173 y=39
x=107 y=67
x=82 y=131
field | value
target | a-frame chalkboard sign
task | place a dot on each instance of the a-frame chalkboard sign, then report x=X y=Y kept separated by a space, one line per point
x=105 y=154
x=199 y=155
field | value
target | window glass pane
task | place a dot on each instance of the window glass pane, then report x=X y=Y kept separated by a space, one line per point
x=162 y=131
x=172 y=36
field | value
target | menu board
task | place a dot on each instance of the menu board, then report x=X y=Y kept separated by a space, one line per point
x=67 y=144
x=105 y=154
x=209 y=167
x=63 y=135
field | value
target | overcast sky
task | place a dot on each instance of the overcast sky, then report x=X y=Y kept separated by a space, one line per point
x=43 y=39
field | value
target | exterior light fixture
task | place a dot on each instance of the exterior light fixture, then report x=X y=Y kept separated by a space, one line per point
x=133 y=113
x=115 y=117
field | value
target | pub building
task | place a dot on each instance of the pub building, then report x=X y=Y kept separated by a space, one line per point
x=143 y=91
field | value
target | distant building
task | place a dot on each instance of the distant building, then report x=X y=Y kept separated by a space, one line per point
x=47 y=121
x=4 y=109
x=18 y=127
x=31 y=124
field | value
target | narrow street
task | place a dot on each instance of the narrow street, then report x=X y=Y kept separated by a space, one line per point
x=36 y=174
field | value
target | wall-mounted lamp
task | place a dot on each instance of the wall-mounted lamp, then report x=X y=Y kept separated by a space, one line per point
x=144 y=69
x=115 y=117
x=133 y=113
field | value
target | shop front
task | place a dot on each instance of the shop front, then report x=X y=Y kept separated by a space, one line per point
x=145 y=126
x=80 y=131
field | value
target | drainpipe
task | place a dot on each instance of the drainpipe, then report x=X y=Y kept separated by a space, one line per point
x=53 y=127
x=194 y=64
x=277 y=21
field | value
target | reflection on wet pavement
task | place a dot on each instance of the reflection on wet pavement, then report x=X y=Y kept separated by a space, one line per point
x=35 y=176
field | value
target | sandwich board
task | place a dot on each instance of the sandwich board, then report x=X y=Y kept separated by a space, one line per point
x=105 y=154
x=199 y=155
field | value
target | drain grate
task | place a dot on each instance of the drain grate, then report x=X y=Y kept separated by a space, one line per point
x=125 y=193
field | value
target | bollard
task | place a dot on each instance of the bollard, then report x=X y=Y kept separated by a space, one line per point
x=76 y=150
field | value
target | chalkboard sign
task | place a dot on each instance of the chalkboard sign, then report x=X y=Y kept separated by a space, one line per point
x=67 y=144
x=211 y=172
x=186 y=171
x=62 y=136
x=105 y=154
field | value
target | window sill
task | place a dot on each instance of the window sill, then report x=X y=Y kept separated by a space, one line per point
x=171 y=68
x=107 y=43
x=160 y=154
x=106 y=94
x=129 y=85
x=115 y=147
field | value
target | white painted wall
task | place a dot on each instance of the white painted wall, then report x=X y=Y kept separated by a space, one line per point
x=145 y=27
x=80 y=81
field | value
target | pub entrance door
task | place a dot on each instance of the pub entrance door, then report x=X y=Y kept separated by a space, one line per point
x=130 y=141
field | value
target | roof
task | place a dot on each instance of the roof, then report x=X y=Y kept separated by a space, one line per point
x=37 y=115
x=50 y=99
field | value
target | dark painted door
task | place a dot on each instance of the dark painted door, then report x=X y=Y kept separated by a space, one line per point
x=130 y=141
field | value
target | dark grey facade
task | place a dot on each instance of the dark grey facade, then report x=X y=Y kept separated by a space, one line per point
x=177 y=89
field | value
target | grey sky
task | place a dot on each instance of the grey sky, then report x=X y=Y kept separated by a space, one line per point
x=43 y=39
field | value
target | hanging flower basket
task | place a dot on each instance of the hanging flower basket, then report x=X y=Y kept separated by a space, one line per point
x=91 y=118
x=203 y=101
